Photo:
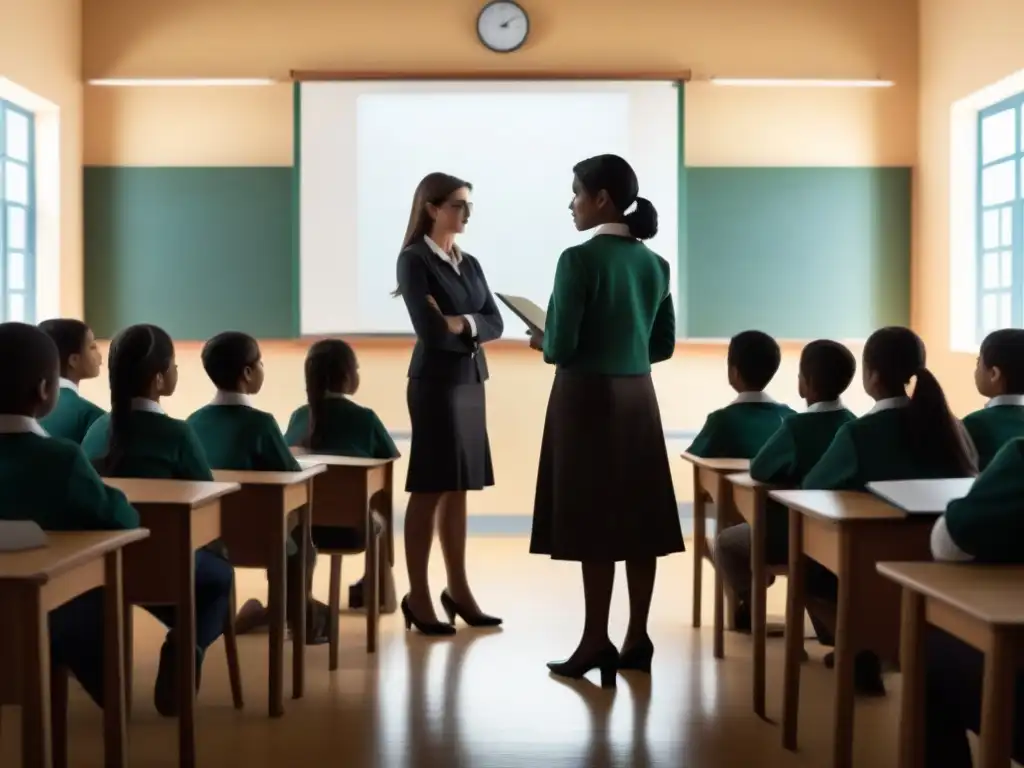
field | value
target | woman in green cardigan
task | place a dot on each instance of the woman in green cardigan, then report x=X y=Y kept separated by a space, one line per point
x=604 y=487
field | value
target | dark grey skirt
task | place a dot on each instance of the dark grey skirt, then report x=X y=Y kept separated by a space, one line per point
x=450 y=450
x=604 y=488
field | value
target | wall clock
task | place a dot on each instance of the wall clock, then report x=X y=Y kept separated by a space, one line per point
x=503 y=26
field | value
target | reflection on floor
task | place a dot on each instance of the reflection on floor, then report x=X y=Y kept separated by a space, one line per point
x=485 y=700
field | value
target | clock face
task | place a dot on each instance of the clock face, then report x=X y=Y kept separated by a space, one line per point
x=503 y=26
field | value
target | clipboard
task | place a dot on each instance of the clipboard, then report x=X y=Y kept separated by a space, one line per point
x=525 y=310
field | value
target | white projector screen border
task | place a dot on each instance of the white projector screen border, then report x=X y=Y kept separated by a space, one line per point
x=336 y=297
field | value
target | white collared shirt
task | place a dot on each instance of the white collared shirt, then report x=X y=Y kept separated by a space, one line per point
x=619 y=230
x=1005 y=400
x=825 y=406
x=889 y=403
x=753 y=397
x=145 y=404
x=335 y=396
x=943 y=546
x=452 y=260
x=16 y=424
x=68 y=384
x=231 y=398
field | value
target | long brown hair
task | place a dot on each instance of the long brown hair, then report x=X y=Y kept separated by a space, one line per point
x=433 y=189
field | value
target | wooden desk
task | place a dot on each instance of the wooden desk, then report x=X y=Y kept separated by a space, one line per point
x=255 y=523
x=33 y=583
x=750 y=500
x=351 y=494
x=182 y=516
x=709 y=481
x=984 y=607
x=848 y=533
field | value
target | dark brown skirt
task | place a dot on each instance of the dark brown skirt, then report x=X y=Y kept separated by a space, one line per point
x=604 y=488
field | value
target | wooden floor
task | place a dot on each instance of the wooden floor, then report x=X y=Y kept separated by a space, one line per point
x=485 y=699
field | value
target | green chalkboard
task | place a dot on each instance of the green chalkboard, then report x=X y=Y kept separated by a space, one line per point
x=796 y=252
x=194 y=250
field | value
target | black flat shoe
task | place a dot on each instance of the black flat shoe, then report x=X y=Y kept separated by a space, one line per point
x=435 y=628
x=638 y=657
x=452 y=609
x=606 y=660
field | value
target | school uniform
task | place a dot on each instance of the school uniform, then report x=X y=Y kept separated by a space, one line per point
x=999 y=422
x=986 y=526
x=447 y=406
x=348 y=429
x=50 y=481
x=604 y=485
x=790 y=453
x=739 y=430
x=159 y=447
x=73 y=414
x=881 y=445
x=234 y=435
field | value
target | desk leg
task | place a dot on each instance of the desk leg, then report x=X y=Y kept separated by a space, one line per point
x=276 y=609
x=794 y=630
x=699 y=544
x=721 y=521
x=36 y=736
x=186 y=639
x=389 y=601
x=997 y=702
x=845 y=653
x=912 y=666
x=115 y=727
x=758 y=598
x=299 y=593
x=59 y=715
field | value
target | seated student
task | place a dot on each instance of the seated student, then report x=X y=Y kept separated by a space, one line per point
x=137 y=439
x=740 y=429
x=80 y=359
x=49 y=480
x=900 y=438
x=826 y=370
x=986 y=526
x=235 y=435
x=331 y=423
x=999 y=377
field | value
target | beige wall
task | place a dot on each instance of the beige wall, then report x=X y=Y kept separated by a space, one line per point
x=40 y=50
x=268 y=38
x=964 y=46
x=253 y=126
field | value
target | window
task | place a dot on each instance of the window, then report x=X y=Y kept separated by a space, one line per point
x=17 y=214
x=1000 y=216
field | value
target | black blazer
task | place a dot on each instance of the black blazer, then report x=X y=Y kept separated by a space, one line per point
x=439 y=353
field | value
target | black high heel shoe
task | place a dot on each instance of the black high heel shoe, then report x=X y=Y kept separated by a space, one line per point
x=638 y=657
x=434 y=628
x=606 y=660
x=453 y=609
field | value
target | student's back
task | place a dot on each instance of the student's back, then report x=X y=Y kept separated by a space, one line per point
x=798 y=445
x=240 y=437
x=998 y=376
x=49 y=480
x=153 y=445
x=345 y=429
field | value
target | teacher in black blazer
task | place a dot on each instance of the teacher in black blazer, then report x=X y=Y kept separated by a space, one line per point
x=453 y=313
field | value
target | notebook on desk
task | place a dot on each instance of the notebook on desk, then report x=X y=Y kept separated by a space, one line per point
x=19 y=535
x=922 y=497
x=525 y=310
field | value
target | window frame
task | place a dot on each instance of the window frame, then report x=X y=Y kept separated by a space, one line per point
x=28 y=291
x=1015 y=290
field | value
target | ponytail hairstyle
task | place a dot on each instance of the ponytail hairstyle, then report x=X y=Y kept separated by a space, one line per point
x=330 y=369
x=895 y=355
x=618 y=179
x=138 y=354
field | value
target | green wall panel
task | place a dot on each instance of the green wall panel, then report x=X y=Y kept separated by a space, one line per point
x=194 y=250
x=796 y=252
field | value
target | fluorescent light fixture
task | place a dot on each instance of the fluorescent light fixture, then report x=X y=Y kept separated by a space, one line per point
x=189 y=82
x=769 y=82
